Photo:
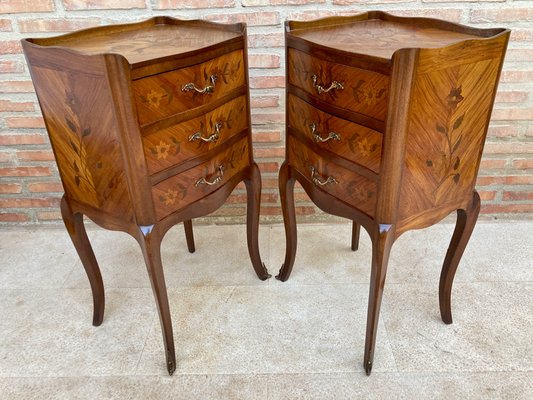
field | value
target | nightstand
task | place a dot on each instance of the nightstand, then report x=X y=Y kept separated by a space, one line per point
x=386 y=122
x=150 y=126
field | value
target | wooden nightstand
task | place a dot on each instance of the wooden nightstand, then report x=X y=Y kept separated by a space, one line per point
x=150 y=126
x=386 y=121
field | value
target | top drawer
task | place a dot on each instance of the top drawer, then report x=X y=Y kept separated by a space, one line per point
x=162 y=95
x=354 y=89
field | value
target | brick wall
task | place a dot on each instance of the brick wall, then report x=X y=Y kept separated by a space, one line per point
x=29 y=185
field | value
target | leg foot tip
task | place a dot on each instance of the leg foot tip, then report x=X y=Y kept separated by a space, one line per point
x=281 y=276
x=368 y=368
x=171 y=367
x=264 y=275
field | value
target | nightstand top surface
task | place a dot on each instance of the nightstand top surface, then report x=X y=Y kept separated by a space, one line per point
x=142 y=42
x=380 y=38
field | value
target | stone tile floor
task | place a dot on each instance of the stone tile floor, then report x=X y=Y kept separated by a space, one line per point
x=240 y=338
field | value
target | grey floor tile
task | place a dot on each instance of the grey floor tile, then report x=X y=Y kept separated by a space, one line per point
x=270 y=329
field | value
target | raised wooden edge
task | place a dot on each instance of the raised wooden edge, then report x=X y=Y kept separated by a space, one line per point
x=57 y=41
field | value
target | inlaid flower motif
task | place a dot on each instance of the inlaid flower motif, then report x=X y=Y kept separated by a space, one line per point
x=153 y=98
x=162 y=149
x=365 y=147
x=170 y=197
x=454 y=97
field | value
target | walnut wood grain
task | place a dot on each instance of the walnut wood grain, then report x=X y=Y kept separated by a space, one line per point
x=116 y=142
x=438 y=80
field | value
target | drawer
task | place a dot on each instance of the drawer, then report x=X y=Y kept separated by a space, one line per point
x=339 y=182
x=171 y=146
x=159 y=96
x=347 y=139
x=354 y=89
x=183 y=189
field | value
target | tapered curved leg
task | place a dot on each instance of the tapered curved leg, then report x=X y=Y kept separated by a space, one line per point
x=253 y=190
x=189 y=236
x=466 y=220
x=382 y=242
x=286 y=190
x=78 y=235
x=150 y=243
x=356 y=230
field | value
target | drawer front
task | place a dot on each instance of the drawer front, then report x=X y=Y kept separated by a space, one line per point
x=183 y=189
x=171 y=146
x=339 y=182
x=169 y=93
x=354 y=89
x=347 y=139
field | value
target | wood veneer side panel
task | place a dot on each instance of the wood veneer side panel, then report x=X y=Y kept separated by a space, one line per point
x=247 y=85
x=136 y=171
x=390 y=180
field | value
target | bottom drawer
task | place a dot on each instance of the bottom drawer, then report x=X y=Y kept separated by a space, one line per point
x=344 y=184
x=183 y=189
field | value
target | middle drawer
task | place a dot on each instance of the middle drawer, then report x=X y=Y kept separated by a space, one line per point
x=162 y=95
x=171 y=146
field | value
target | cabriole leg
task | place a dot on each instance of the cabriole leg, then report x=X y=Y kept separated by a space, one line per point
x=356 y=230
x=253 y=190
x=466 y=220
x=78 y=235
x=150 y=242
x=189 y=236
x=382 y=242
x=286 y=190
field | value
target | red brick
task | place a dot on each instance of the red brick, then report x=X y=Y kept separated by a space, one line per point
x=269 y=152
x=26 y=171
x=506 y=208
x=8 y=105
x=29 y=202
x=103 y=4
x=266 y=137
x=251 y=19
x=16 y=87
x=46 y=187
x=513 y=114
x=508 y=148
x=264 y=101
x=49 y=216
x=179 y=4
x=267 y=82
x=266 y=167
x=487 y=195
x=511 y=196
x=449 y=14
x=493 y=164
x=519 y=180
x=523 y=164
x=263 y=61
x=265 y=119
x=13 y=217
x=5 y=156
x=517 y=76
x=270 y=211
x=10 y=67
x=521 y=55
x=518 y=35
x=22 y=6
x=265 y=40
x=229 y=212
x=269 y=183
x=8 y=140
x=10 y=47
x=489 y=180
x=251 y=3
x=309 y=15
x=502 y=14
x=36 y=155
x=10 y=188
x=25 y=122
x=56 y=25
x=503 y=131
x=301 y=197
x=511 y=97
x=5 y=25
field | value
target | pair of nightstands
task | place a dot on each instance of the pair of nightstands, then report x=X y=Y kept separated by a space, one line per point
x=386 y=120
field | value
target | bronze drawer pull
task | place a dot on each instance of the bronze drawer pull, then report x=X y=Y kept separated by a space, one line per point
x=318 y=138
x=218 y=179
x=320 y=89
x=212 y=138
x=207 y=89
x=318 y=180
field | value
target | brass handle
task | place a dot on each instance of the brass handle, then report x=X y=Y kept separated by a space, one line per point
x=318 y=138
x=207 y=89
x=218 y=179
x=212 y=138
x=318 y=180
x=320 y=89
